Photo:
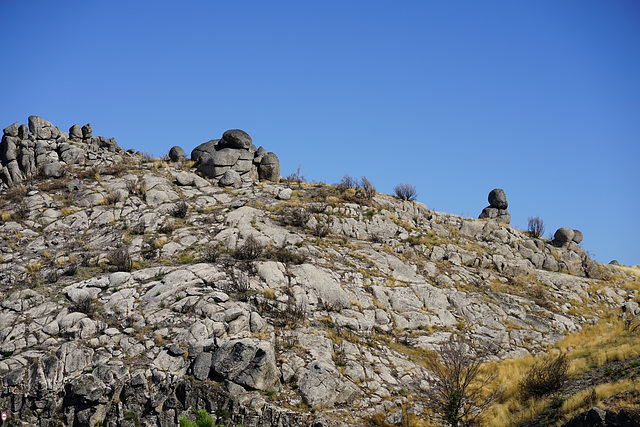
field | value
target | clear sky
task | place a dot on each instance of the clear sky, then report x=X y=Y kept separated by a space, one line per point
x=540 y=98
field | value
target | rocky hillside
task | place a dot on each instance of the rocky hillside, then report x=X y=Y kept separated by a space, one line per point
x=135 y=290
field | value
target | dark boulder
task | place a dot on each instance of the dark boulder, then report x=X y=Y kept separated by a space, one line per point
x=236 y=138
x=497 y=199
x=269 y=168
x=75 y=132
x=177 y=154
x=577 y=236
x=204 y=150
x=563 y=236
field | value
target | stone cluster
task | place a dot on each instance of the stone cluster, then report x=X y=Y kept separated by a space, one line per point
x=565 y=235
x=41 y=148
x=497 y=208
x=234 y=159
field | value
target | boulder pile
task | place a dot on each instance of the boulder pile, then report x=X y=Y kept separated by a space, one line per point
x=40 y=148
x=566 y=235
x=497 y=208
x=234 y=159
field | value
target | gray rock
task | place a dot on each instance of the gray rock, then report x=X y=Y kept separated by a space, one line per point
x=285 y=194
x=88 y=388
x=269 y=168
x=236 y=138
x=322 y=386
x=204 y=150
x=177 y=154
x=500 y=215
x=224 y=157
x=230 y=178
x=563 y=236
x=202 y=366
x=577 y=236
x=247 y=362
x=9 y=149
x=53 y=169
x=75 y=132
x=23 y=132
x=87 y=131
x=42 y=129
x=11 y=130
x=497 y=199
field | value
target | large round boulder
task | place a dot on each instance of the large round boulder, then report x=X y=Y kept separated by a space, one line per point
x=497 y=199
x=236 y=138
x=176 y=154
x=563 y=235
x=269 y=168
x=230 y=178
x=577 y=236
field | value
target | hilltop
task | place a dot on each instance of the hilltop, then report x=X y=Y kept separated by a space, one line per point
x=137 y=290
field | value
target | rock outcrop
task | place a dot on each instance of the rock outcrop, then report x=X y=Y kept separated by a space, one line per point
x=497 y=208
x=41 y=148
x=235 y=152
x=134 y=295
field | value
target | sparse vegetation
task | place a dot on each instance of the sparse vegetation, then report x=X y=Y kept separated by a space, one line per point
x=179 y=210
x=121 y=260
x=406 y=192
x=545 y=376
x=459 y=393
x=535 y=227
x=250 y=250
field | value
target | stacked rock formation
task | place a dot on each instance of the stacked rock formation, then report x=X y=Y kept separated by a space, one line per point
x=41 y=148
x=234 y=159
x=566 y=235
x=497 y=208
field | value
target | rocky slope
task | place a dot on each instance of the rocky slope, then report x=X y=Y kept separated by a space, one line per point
x=135 y=291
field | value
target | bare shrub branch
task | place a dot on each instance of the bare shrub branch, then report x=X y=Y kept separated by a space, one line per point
x=367 y=187
x=406 y=192
x=545 y=377
x=459 y=392
x=535 y=227
x=251 y=249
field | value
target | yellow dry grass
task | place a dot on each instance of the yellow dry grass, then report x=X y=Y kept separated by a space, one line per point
x=594 y=346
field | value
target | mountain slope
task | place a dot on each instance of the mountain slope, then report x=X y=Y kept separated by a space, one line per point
x=135 y=291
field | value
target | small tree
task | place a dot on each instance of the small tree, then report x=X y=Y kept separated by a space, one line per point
x=459 y=392
x=535 y=227
x=367 y=187
x=406 y=192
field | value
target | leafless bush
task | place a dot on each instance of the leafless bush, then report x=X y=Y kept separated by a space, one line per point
x=321 y=229
x=296 y=216
x=406 y=192
x=286 y=256
x=535 y=227
x=121 y=260
x=544 y=377
x=367 y=187
x=17 y=193
x=347 y=182
x=240 y=284
x=112 y=198
x=251 y=249
x=179 y=210
x=86 y=305
x=459 y=392
x=21 y=212
x=211 y=253
x=296 y=177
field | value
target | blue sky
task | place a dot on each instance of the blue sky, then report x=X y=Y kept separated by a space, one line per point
x=540 y=98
